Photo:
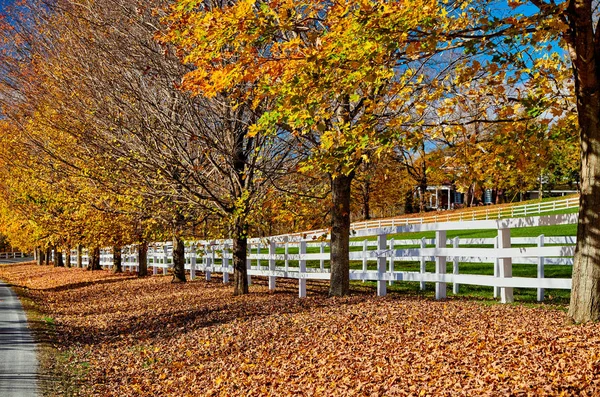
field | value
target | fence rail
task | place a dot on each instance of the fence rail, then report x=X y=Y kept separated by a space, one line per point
x=459 y=216
x=276 y=258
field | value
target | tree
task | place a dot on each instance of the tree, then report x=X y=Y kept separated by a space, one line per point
x=342 y=78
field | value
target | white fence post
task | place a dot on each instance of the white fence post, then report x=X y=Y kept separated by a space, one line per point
x=258 y=247
x=381 y=262
x=455 y=244
x=165 y=259
x=506 y=293
x=364 y=263
x=496 y=268
x=301 y=276
x=272 y=250
x=423 y=262
x=540 y=269
x=192 y=261
x=391 y=247
x=225 y=263
x=322 y=251
x=440 y=264
x=249 y=267
x=154 y=261
x=207 y=264
x=287 y=252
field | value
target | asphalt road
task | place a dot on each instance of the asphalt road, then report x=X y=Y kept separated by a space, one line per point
x=18 y=361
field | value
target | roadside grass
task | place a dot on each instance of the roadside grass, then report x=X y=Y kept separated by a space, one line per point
x=59 y=374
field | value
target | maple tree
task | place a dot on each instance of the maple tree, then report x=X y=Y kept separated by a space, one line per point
x=342 y=77
x=522 y=47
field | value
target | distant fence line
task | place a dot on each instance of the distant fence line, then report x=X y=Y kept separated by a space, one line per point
x=303 y=260
x=459 y=216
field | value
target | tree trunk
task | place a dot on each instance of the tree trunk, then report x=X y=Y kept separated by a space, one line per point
x=143 y=259
x=40 y=256
x=58 y=258
x=68 y=257
x=178 y=260
x=367 y=200
x=340 y=236
x=239 y=252
x=585 y=293
x=117 y=260
x=48 y=255
x=79 y=256
x=94 y=261
x=422 y=190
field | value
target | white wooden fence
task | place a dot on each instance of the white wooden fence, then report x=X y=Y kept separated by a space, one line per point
x=459 y=216
x=289 y=257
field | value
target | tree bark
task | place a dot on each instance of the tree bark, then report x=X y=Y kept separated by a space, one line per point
x=68 y=257
x=239 y=252
x=117 y=260
x=584 y=48
x=40 y=256
x=94 y=261
x=79 y=256
x=422 y=190
x=340 y=235
x=48 y=254
x=143 y=259
x=58 y=258
x=178 y=260
x=367 y=200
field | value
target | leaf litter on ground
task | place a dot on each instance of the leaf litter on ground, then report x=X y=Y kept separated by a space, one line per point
x=148 y=336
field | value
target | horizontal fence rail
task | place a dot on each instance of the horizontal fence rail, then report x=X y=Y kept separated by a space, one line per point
x=459 y=216
x=303 y=260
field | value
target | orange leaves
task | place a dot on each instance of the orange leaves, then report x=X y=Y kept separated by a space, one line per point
x=150 y=337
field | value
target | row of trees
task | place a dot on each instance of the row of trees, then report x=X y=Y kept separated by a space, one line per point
x=131 y=121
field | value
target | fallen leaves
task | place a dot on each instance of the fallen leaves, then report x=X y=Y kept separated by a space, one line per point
x=150 y=337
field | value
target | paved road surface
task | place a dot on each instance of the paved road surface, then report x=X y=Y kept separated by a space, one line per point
x=15 y=260
x=18 y=361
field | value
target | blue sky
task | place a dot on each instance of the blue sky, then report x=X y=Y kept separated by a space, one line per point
x=4 y=3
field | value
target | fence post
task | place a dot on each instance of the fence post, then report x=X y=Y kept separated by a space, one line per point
x=540 y=269
x=506 y=293
x=272 y=278
x=391 y=247
x=207 y=264
x=440 y=264
x=364 y=264
x=249 y=267
x=322 y=251
x=287 y=252
x=455 y=244
x=301 y=276
x=165 y=259
x=258 y=266
x=225 y=263
x=423 y=262
x=192 y=261
x=154 y=261
x=496 y=268
x=381 y=246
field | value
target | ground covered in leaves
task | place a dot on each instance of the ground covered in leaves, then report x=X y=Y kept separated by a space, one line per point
x=123 y=336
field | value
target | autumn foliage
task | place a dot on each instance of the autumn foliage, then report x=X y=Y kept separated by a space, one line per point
x=125 y=336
